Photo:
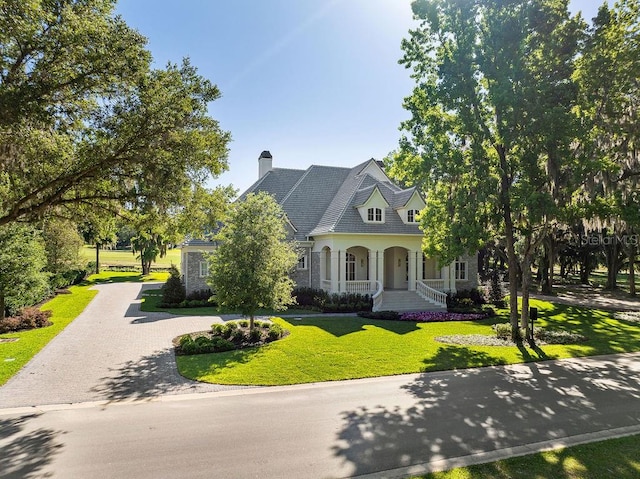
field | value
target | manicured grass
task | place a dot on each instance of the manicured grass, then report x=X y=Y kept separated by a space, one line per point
x=338 y=348
x=614 y=458
x=65 y=308
x=151 y=299
x=127 y=258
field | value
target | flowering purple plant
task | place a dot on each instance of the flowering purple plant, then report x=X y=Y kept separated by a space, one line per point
x=434 y=316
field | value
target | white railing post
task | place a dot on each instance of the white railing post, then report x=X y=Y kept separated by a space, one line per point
x=430 y=294
x=377 y=297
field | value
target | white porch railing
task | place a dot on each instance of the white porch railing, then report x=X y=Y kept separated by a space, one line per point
x=377 y=297
x=437 y=284
x=360 y=287
x=430 y=294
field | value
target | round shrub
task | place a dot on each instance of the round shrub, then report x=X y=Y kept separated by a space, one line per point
x=221 y=345
x=275 y=332
x=237 y=336
x=255 y=335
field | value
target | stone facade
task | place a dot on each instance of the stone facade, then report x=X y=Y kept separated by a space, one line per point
x=194 y=266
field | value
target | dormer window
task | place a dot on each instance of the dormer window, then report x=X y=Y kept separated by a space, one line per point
x=374 y=215
x=412 y=216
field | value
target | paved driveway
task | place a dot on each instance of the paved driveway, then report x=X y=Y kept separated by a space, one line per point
x=112 y=351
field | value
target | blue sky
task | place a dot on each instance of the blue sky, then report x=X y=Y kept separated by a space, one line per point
x=313 y=81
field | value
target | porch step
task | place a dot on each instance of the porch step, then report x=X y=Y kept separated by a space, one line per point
x=407 y=301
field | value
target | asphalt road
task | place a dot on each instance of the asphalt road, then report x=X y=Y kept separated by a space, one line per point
x=386 y=427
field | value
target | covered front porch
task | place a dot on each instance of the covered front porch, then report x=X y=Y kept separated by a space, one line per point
x=365 y=270
x=362 y=270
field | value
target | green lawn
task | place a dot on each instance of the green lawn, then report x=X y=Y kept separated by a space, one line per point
x=127 y=258
x=338 y=348
x=614 y=458
x=65 y=308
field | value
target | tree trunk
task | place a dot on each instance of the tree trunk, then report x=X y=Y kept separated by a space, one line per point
x=97 y=258
x=632 y=275
x=146 y=266
x=611 y=254
x=584 y=267
x=550 y=259
x=630 y=251
x=526 y=284
x=251 y=317
x=2 y=306
x=505 y=185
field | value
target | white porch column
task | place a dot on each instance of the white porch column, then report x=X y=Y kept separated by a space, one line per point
x=334 y=271
x=444 y=272
x=452 y=278
x=420 y=261
x=412 y=271
x=343 y=271
x=373 y=268
x=380 y=255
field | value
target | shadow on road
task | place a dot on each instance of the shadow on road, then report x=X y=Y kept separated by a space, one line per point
x=474 y=410
x=25 y=453
x=147 y=377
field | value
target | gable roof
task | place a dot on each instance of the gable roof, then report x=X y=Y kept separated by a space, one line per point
x=324 y=199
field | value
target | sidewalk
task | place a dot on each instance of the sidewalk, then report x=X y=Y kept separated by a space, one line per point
x=591 y=297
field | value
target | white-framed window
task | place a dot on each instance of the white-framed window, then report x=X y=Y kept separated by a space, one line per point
x=412 y=216
x=461 y=270
x=203 y=269
x=350 y=272
x=374 y=215
x=302 y=262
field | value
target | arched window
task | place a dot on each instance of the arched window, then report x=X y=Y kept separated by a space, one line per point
x=374 y=215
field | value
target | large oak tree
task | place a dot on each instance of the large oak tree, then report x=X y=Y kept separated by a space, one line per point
x=491 y=130
x=85 y=120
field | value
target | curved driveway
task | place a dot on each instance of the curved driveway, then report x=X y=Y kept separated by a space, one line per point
x=112 y=351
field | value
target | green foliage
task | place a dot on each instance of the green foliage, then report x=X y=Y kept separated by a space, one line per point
x=202 y=345
x=320 y=300
x=22 y=260
x=228 y=336
x=604 y=459
x=85 y=120
x=64 y=308
x=504 y=332
x=62 y=244
x=492 y=126
x=275 y=331
x=173 y=291
x=250 y=268
x=27 y=318
x=337 y=348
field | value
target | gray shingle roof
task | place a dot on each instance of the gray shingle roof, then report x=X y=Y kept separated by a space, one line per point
x=278 y=182
x=323 y=199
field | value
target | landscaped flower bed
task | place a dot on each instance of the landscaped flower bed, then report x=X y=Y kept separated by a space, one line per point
x=439 y=316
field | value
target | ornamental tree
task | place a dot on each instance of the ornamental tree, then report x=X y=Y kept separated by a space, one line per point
x=250 y=268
